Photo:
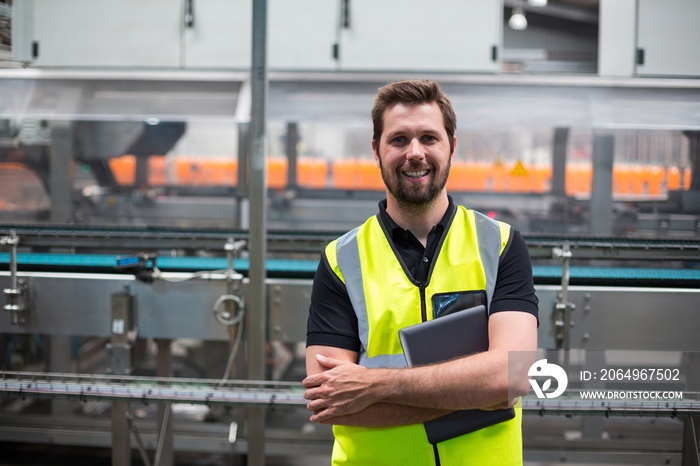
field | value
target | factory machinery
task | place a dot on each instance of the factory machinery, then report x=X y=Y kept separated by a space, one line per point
x=135 y=217
x=170 y=149
x=128 y=320
x=135 y=338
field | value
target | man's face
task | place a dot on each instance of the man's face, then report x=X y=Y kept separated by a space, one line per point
x=414 y=153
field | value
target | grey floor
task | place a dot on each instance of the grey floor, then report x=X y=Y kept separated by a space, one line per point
x=14 y=454
x=629 y=442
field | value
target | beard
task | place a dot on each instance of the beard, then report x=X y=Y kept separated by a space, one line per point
x=413 y=195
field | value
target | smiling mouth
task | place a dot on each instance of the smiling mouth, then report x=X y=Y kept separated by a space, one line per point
x=416 y=173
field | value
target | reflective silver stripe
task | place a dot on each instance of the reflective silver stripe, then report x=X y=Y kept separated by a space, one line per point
x=488 y=234
x=384 y=360
x=348 y=259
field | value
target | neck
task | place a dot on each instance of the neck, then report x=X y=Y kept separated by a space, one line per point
x=419 y=219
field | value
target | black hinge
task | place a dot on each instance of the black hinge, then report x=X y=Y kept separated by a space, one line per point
x=189 y=14
x=494 y=53
x=35 y=49
x=336 y=51
x=640 y=56
x=345 y=12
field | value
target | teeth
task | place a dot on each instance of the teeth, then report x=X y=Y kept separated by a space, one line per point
x=416 y=174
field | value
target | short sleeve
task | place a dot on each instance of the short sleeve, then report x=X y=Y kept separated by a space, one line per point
x=515 y=287
x=332 y=320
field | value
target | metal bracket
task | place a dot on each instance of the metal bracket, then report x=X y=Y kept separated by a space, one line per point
x=124 y=331
x=233 y=309
x=563 y=308
x=142 y=265
x=17 y=296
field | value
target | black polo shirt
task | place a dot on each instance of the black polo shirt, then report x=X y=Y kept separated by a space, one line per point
x=332 y=320
x=416 y=258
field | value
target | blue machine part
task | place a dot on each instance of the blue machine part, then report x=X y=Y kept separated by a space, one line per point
x=298 y=268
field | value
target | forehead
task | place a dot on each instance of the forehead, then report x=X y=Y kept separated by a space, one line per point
x=416 y=117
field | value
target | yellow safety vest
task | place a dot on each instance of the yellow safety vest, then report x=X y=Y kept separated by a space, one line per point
x=386 y=299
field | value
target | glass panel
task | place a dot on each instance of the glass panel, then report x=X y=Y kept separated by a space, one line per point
x=165 y=151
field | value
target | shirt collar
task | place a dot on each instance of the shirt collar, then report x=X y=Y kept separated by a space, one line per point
x=392 y=227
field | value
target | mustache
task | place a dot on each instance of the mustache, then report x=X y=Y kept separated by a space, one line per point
x=415 y=166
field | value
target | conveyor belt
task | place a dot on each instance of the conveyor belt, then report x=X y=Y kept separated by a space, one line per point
x=150 y=238
x=106 y=263
x=573 y=407
x=132 y=238
x=304 y=269
x=151 y=389
x=619 y=276
x=615 y=248
x=283 y=394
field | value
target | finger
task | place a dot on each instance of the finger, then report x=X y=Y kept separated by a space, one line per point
x=307 y=383
x=321 y=415
x=311 y=381
x=311 y=395
x=316 y=405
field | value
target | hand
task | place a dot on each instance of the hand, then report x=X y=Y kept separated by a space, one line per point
x=343 y=388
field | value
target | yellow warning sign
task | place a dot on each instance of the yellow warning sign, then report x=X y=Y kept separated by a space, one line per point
x=519 y=169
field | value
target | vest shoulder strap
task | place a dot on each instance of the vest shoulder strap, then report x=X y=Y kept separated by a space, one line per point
x=491 y=236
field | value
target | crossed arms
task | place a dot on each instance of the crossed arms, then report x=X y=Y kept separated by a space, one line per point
x=341 y=392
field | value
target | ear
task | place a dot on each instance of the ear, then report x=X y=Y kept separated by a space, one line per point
x=454 y=147
x=375 y=150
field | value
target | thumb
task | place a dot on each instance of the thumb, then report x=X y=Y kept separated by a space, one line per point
x=328 y=362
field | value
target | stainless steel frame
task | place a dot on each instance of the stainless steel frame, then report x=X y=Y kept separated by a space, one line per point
x=78 y=304
x=72 y=304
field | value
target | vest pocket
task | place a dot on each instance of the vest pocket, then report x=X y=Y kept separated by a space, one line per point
x=447 y=303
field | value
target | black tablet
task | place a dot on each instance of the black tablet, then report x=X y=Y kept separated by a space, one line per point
x=448 y=337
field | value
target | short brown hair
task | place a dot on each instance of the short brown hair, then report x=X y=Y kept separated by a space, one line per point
x=412 y=92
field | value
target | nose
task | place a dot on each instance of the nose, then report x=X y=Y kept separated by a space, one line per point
x=415 y=150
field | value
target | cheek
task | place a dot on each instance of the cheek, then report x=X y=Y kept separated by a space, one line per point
x=387 y=160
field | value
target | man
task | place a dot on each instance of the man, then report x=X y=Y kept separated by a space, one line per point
x=420 y=257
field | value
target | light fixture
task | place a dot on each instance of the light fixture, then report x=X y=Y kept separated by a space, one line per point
x=537 y=2
x=517 y=20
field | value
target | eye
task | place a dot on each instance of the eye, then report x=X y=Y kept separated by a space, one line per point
x=398 y=140
x=429 y=138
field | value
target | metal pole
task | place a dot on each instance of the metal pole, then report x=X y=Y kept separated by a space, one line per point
x=61 y=172
x=164 y=368
x=12 y=240
x=61 y=152
x=13 y=293
x=241 y=191
x=694 y=156
x=122 y=321
x=601 y=189
x=691 y=428
x=561 y=136
x=257 y=242
x=292 y=155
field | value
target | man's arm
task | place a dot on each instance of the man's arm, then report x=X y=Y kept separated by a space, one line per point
x=477 y=381
x=330 y=331
x=376 y=415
